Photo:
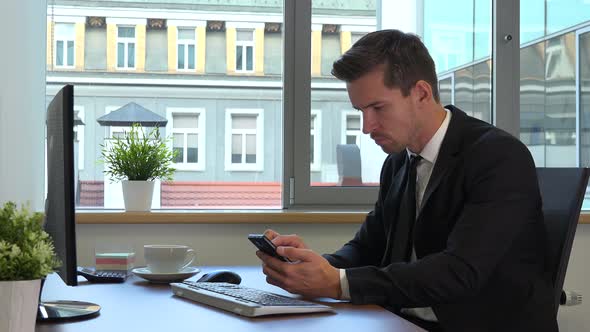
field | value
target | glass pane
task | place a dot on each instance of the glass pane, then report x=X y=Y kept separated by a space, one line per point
x=245 y=35
x=131 y=55
x=353 y=122
x=584 y=88
x=64 y=30
x=178 y=145
x=311 y=149
x=120 y=55
x=564 y=14
x=192 y=155
x=191 y=56
x=70 y=53
x=59 y=53
x=180 y=56
x=445 y=91
x=190 y=121
x=169 y=90
x=458 y=38
x=249 y=58
x=239 y=57
x=187 y=34
x=251 y=144
x=236 y=144
x=244 y=121
x=532 y=20
x=126 y=32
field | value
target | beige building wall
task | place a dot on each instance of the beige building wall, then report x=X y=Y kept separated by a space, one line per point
x=230 y=42
x=316 y=53
x=111 y=47
x=345 y=41
x=80 y=29
x=172 y=49
x=259 y=51
x=140 y=31
x=201 y=49
x=49 y=39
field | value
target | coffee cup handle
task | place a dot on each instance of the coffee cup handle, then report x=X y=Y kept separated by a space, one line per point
x=190 y=257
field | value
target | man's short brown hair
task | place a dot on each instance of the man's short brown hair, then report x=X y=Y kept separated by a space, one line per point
x=406 y=59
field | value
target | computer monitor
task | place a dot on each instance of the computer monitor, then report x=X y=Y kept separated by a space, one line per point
x=60 y=204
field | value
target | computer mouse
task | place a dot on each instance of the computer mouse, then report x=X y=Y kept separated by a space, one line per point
x=221 y=276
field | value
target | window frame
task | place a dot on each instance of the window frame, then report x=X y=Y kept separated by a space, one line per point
x=126 y=41
x=345 y=132
x=186 y=43
x=259 y=132
x=65 y=39
x=200 y=131
x=245 y=44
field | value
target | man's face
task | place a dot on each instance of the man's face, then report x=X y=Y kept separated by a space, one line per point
x=388 y=116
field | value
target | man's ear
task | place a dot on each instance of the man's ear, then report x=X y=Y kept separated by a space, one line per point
x=422 y=92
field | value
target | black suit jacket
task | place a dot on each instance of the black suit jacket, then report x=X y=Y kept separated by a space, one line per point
x=479 y=237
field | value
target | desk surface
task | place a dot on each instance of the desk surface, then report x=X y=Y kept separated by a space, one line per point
x=138 y=305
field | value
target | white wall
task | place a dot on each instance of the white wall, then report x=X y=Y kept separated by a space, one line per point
x=22 y=101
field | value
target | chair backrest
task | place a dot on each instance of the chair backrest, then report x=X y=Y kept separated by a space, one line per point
x=562 y=192
x=348 y=161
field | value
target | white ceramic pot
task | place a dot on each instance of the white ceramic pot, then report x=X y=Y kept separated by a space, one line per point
x=137 y=195
x=19 y=301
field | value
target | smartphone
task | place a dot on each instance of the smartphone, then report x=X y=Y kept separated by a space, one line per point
x=266 y=246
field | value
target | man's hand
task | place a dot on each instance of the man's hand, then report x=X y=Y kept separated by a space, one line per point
x=310 y=275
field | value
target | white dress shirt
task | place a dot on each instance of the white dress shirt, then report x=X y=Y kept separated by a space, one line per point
x=423 y=172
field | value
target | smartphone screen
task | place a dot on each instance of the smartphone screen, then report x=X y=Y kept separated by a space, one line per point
x=265 y=245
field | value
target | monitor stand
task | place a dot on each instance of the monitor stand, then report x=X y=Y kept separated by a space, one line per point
x=56 y=311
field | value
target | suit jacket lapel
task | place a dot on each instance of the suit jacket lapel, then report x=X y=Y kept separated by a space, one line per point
x=447 y=155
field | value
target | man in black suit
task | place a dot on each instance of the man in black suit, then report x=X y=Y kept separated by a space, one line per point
x=456 y=240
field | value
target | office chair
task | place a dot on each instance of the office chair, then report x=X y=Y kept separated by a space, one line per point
x=348 y=161
x=562 y=192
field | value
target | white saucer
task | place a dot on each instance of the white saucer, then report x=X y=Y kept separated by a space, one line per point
x=186 y=273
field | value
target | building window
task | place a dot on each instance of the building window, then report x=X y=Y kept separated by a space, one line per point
x=186 y=49
x=245 y=50
x=244 y=137
x=64 y=45
x=79 y=134
x=187 y=128
x=352 y=128
x=126 y=47
x=315 y=141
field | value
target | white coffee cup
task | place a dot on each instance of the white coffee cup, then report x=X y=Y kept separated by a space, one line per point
x=167 y=258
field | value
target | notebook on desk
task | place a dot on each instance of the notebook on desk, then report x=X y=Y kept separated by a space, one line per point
x=242 y=300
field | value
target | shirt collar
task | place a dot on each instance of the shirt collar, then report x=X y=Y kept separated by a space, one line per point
x=431 y=149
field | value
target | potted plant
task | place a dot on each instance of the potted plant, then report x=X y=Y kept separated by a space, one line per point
x=26 y=256
x=136 y=159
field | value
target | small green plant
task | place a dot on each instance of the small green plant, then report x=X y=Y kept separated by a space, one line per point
x=138 y=157
x=26 y=250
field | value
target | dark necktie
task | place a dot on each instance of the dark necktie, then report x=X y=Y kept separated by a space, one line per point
x=407 y=211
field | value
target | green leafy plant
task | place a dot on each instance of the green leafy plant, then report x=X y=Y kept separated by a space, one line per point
x=26 y=250
x=137 y=156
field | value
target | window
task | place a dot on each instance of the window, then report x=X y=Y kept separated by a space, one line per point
x=315 y=152
x=64 y=45
x=126 y=47
x=244 y=50
x=244 y=137
x=79 y=124
x=186 y=49
x=187 y=126
x=352 y=128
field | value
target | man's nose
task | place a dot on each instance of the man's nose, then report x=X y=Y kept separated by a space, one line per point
x=369 y=123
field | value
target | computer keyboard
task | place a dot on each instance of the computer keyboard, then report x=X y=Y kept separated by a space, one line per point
x=242 y=300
